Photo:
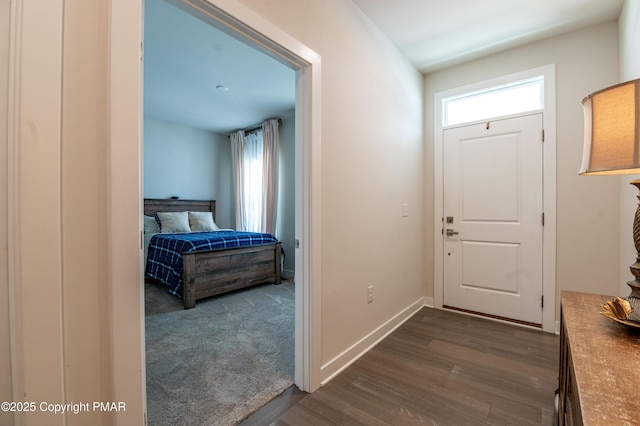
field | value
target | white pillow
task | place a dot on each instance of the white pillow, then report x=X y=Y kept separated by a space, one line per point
x=151 y=225
x=202 y=222
x=174 y=222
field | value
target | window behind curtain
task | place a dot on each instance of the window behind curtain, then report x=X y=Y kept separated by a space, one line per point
x=253 y=182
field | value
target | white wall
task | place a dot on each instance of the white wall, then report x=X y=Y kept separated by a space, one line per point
x=189 y=163
x=587 y=207
x=629 y=25
x=372 y=153
x=629 y=33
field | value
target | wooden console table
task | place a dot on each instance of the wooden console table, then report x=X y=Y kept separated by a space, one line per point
x=599 y=365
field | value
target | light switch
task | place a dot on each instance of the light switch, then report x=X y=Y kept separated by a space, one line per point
x=405 y=210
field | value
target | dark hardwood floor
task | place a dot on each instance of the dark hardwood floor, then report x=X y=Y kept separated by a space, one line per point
x=438 y=368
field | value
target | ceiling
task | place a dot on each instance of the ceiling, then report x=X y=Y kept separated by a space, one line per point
x=435 y=34
x=185 y=59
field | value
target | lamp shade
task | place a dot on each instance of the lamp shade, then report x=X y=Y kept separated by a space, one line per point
x=612 y=130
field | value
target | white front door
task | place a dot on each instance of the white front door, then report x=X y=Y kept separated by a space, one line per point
x=493 y=176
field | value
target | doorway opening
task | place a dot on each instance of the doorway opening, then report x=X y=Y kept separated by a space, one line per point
x=306 y=64
x=549 y=180
x=233 y=352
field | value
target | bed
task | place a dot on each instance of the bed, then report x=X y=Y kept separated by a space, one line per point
x=199 y=268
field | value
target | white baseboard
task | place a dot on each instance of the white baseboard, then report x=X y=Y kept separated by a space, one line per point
x=349 y=356
x=288 y=274
x=428 y=302
x=557 y=328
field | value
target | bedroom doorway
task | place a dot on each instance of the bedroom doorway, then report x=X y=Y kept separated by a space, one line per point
x=304 y=62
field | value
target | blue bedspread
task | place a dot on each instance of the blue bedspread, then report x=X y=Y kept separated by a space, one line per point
x=164 y=260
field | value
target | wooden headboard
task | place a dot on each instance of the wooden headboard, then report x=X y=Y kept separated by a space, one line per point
x=152 y=206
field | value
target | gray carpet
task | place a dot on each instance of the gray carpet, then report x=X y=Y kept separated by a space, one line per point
x=217 y=363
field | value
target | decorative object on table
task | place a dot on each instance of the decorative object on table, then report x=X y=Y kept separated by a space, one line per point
x=618 y=307
x=612 y=146
x=623 y=311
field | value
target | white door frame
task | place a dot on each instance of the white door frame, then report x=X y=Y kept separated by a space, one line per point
x=242 y=23
x=549 y=186
x=34 y=106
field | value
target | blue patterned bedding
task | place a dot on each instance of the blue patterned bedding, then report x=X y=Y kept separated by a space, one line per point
x=165 y=253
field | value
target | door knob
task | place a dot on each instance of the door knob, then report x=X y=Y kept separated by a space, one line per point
x=451 y=232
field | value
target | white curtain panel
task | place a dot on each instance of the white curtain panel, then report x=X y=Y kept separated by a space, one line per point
x=271 y=134
x=255 y=177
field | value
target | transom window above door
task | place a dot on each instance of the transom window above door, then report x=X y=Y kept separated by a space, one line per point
x=513 y=98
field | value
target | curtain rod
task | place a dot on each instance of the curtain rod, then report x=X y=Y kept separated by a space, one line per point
x=255 y=128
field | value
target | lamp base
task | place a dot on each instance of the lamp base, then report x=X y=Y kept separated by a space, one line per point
x=635 y=288
x=635 y=268
x=634 y=297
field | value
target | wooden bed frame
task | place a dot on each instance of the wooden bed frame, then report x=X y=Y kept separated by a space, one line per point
x=212 y=272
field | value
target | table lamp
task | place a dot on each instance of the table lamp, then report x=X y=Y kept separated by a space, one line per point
x=612 y=145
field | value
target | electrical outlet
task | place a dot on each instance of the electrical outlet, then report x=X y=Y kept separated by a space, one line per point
x=370 y=294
